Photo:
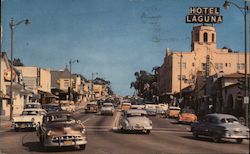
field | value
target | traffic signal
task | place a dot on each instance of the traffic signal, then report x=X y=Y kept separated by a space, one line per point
x=241 y=83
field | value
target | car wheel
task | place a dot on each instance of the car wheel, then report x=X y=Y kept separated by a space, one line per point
x=82 y=147
x=216 y=138
x=41 y=140
x=195 y=134
x=239 y=140
x=147 y=131
x=16 y=129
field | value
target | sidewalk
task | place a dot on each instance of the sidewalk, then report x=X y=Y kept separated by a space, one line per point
x=5 y=123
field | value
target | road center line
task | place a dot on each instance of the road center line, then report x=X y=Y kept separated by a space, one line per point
x=88 y=119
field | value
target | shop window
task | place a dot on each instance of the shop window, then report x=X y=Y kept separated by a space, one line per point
x=240 y=66
x=183 y=77
x=219 y=66
x=184 y=65
x=213 y=40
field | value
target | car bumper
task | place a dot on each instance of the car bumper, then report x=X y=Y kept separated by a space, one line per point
x=24 y=125
x=107 y=112
x=67 y=143
x=138 y=128
x=91 y=111
x=233 y=136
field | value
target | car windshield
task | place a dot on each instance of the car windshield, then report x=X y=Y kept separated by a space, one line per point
x=107 y=105
x=60 y=118
x=135 y=115
x=91 y=105
x=31 y=106
x=30 y=113
x=229 y=120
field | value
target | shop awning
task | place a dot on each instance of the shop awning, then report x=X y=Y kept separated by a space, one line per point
x=47 y=94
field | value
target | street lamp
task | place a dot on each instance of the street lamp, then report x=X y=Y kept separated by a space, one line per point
x=13 y=25
x=92 y=86
x=244 y=10
x=70 y=84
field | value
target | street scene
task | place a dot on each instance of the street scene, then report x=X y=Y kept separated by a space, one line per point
x=124 y=77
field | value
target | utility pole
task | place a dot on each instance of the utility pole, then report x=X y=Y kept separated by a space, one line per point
x=180 y=96
x=70 y=77
x=244 y=10
x=92 y=85
x=12 y=27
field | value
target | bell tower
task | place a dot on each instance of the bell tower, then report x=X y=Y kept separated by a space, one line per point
x=203 y=36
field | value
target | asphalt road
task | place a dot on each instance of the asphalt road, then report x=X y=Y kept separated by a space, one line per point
x=167 y=136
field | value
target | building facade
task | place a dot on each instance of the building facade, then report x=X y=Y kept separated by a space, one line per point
x=19 y=93
x=179 y=69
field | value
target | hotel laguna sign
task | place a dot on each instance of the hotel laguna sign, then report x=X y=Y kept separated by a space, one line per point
x=204 y=15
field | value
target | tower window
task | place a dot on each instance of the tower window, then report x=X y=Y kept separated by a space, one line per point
x=197 y=37
x=212 y=37
x=205 y=37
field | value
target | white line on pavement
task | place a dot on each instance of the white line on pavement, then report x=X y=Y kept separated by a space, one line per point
x=115 y=123
x=88 y=119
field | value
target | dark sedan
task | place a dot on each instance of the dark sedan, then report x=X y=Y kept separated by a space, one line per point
x=220 y=126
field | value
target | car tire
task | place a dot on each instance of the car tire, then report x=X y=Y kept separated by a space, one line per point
x=82 y=147
x=239 y=140
x=41 y=140
x=147 y=131
x=216 y=138
x=17 y=129
x=195 y=134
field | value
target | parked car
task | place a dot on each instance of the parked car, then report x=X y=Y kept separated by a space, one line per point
x=187 y=115
x=218 y=126
x=135 y=119
x=173 y=112
x=29 y=119
x=91 y=107
x=164 y=107
x=107 y=109
x=61 y=129
x=151 y=109
x=68 y=106
x=125 y=106
x=51 y=107
x=160 y=111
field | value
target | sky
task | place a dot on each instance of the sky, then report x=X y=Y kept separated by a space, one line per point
x=113 y=38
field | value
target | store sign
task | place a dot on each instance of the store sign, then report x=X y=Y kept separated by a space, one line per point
x=204 y=15
x=7 y=74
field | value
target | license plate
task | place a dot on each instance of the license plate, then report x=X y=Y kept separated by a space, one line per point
x=22 y=126
x=67 y=142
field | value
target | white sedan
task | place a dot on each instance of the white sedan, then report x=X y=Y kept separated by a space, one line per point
x=135 y=120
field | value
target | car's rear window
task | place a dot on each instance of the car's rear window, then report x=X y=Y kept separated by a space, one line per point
x=229 y=120
x=30 y=113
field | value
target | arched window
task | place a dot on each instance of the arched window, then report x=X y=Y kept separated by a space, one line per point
x=205 y=37
x=212 y=37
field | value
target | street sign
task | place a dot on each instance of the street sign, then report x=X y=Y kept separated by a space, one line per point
x=246 y=100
